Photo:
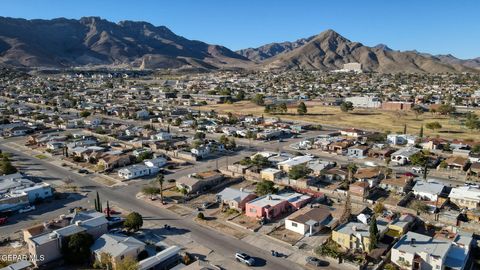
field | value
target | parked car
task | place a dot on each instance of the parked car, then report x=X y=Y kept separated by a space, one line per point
x=85 y=171
x=313 y=261
x=27 y=209
x=244 y=258
x=3 y=220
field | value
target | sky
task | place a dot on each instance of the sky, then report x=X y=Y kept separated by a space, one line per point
x=432 y=26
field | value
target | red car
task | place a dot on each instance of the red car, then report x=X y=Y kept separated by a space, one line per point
x=112 y=212
x=3 y=220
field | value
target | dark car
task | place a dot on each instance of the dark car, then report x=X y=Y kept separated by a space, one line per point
x=313 y=261
x=83 y=171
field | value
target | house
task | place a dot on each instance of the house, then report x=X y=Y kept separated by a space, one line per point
x=334 y=174
x=358 y=151
x=287 y=165
x=168 y=258
x=198 y=182
x=402 y=156
x=53 y=145
x=118 y=247
x=371 y=175
x=418 y=251
x=356 y=235
x=155 y=162
x=161 y=136
x=271 y=174
x=457 y=163
x=134 y=171
x=339 y=147
x=201 y=151
x=319 y=166
x=401 y=139
x=34 y=193
x=475 y=168
x=308 y=221
x=48 y=244
x=109 y=161
x=396 y=184
x=360 y=189
x=273 y=205
x=236 y=198
x=400 y=226
x=352 y=132
x=465 y=197
x=429 y=190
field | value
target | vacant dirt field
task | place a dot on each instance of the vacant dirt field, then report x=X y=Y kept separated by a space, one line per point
x=369 y=119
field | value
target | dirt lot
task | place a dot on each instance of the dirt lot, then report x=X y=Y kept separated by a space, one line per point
x=369 y=118
x=246 y=222
x=286 y=235
x=224 y=228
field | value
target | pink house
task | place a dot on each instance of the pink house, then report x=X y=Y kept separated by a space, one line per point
x=273 y=205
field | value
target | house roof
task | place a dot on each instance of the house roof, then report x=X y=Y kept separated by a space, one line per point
x=457 y=161
x=274 y=199
x=231 y=194
x=358 y=228
x=306 y=214
x=366 y=173
x=428 y=187
x=465 y=193
x=116 y=245
x=422 y=244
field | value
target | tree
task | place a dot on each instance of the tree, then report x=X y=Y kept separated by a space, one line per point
x=133 y=221
x=421 y=132
x=419 y=206
x=283 y=108
x=98 y=203
x=347 y=210
x=378 y=208
x=472 y=121
x=265 y=187
x=373 y=231
x=346 y=106
x=446 y=109
x=161 y=181
x=199 y=136
x=104 y=262
x=231 y=145
x=201 y=216
x=302 y=108
x=240 y=95
x=299 y=171
x=78 y=248
x=84 y=114
x=417 y=109
x=150 y=191
x=352 y=169
x=6 y=167
x=419 y=159
x=259 y=99
x=433 y=125
x=128 y=263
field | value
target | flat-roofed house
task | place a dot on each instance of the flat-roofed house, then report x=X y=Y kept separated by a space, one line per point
x=310 y=220
x=236 y=198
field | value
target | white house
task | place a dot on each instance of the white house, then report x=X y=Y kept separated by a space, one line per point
x=155 y=162
x=401 y=139
x=37 y=192
x=418 y=251
x=161 y=136
x=428 y=190
x=308 y=221
x=465 y=197
x=200 y=151
x=402 y=156
x=134 y=171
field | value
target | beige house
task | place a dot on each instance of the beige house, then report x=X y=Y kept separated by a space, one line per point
x=47 y=245
x=117 y=247
x=199 y=182
x=270 y=174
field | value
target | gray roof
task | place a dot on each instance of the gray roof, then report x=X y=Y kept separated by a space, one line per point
x=20 y=265
x=428 y=187
x=116 y=245
x=423 y=243
x=358 y=228
x=231 y=194
x=70 y=230
x=160 y=257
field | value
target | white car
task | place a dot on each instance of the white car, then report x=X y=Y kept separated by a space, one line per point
x=244 y=258
x=27 y=209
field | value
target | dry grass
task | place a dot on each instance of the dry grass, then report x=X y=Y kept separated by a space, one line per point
x=281 y=233
x=370 y=119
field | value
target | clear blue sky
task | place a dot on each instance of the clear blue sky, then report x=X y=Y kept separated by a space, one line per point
x=433 y=26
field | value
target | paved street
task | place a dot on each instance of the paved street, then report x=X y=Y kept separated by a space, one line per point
x=125 y=196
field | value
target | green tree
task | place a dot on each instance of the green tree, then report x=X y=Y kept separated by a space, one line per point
x=150 y=191
x=199 y=136
x=472 y=121
x=433 y=125
x=78 y=248
x=128 y=263
x=417 y=109
x=373 y=231
x=302 y=108
x=259 y=99
x=240 y=95
x=419 y=159
x=161 y=181
x=133 y=221
x=346 y=106
x=378 y=208
x=283 y=108
x=84 y=114
x=265 y=187
x=299 y=171
x=446 y=109
x=6 y=167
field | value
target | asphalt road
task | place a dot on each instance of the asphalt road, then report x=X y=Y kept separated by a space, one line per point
x=125 y=196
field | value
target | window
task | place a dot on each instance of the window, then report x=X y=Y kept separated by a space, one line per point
x=294 y=224
x=122 y=257
x=253 y=210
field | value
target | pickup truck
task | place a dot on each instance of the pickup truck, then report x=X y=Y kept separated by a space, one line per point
x=244 y=258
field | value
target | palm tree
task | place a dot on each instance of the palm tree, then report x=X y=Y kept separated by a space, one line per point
x=161 y=180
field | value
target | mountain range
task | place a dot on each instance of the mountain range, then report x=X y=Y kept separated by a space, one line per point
x=95 y=42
